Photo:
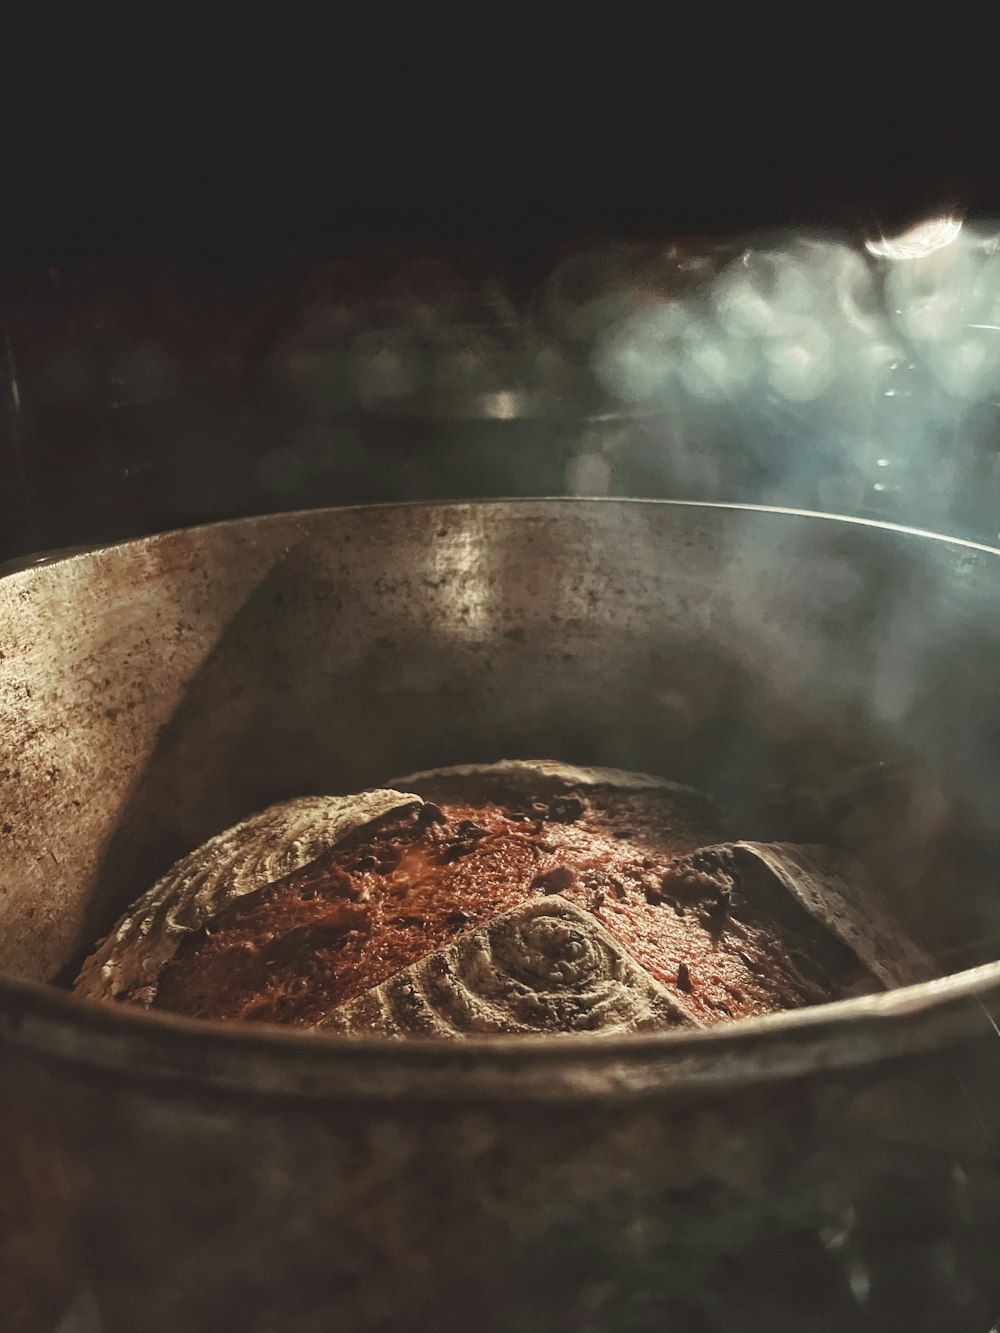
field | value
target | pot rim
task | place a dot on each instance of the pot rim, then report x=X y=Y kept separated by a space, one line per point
x=139 y=1044
x=58 y=555
x=272 y=1060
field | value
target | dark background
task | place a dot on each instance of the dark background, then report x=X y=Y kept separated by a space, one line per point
x=221 y=128
x=224 y=137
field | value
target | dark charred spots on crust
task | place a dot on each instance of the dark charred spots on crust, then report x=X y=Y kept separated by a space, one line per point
x=456 y=850
x=382 y=859
x=555 y=880
x=432 y=872
x=692 y=885
x=707 y=878
x=719 y=910
x=469 y=836
x=468 y=828
x=656 y=896
x=566 y=809
x=563 y=809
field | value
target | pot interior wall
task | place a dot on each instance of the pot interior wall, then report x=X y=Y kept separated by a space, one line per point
x=824 y=678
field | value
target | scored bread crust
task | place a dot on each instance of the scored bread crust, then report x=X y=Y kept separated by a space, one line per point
x=510 y=976
x=456 y=990
x=249 y=856
x=833 y=888
x=268 y=846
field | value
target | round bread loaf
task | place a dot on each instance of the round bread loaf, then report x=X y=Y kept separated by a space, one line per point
x=519 y=897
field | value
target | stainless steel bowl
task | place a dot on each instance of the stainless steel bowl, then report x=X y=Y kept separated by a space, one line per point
x=833 y=1169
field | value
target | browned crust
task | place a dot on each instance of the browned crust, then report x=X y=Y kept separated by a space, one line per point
x=269 y=854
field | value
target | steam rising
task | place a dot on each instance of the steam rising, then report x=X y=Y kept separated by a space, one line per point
x=800 y=370
x=866 y=365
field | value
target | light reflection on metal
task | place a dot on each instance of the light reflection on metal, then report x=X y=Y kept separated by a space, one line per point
x=504 y=405
x=920 y=241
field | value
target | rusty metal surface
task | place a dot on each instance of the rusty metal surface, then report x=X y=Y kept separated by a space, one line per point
x=154 y=692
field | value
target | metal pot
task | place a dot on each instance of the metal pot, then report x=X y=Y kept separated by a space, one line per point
x=832 y=1169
